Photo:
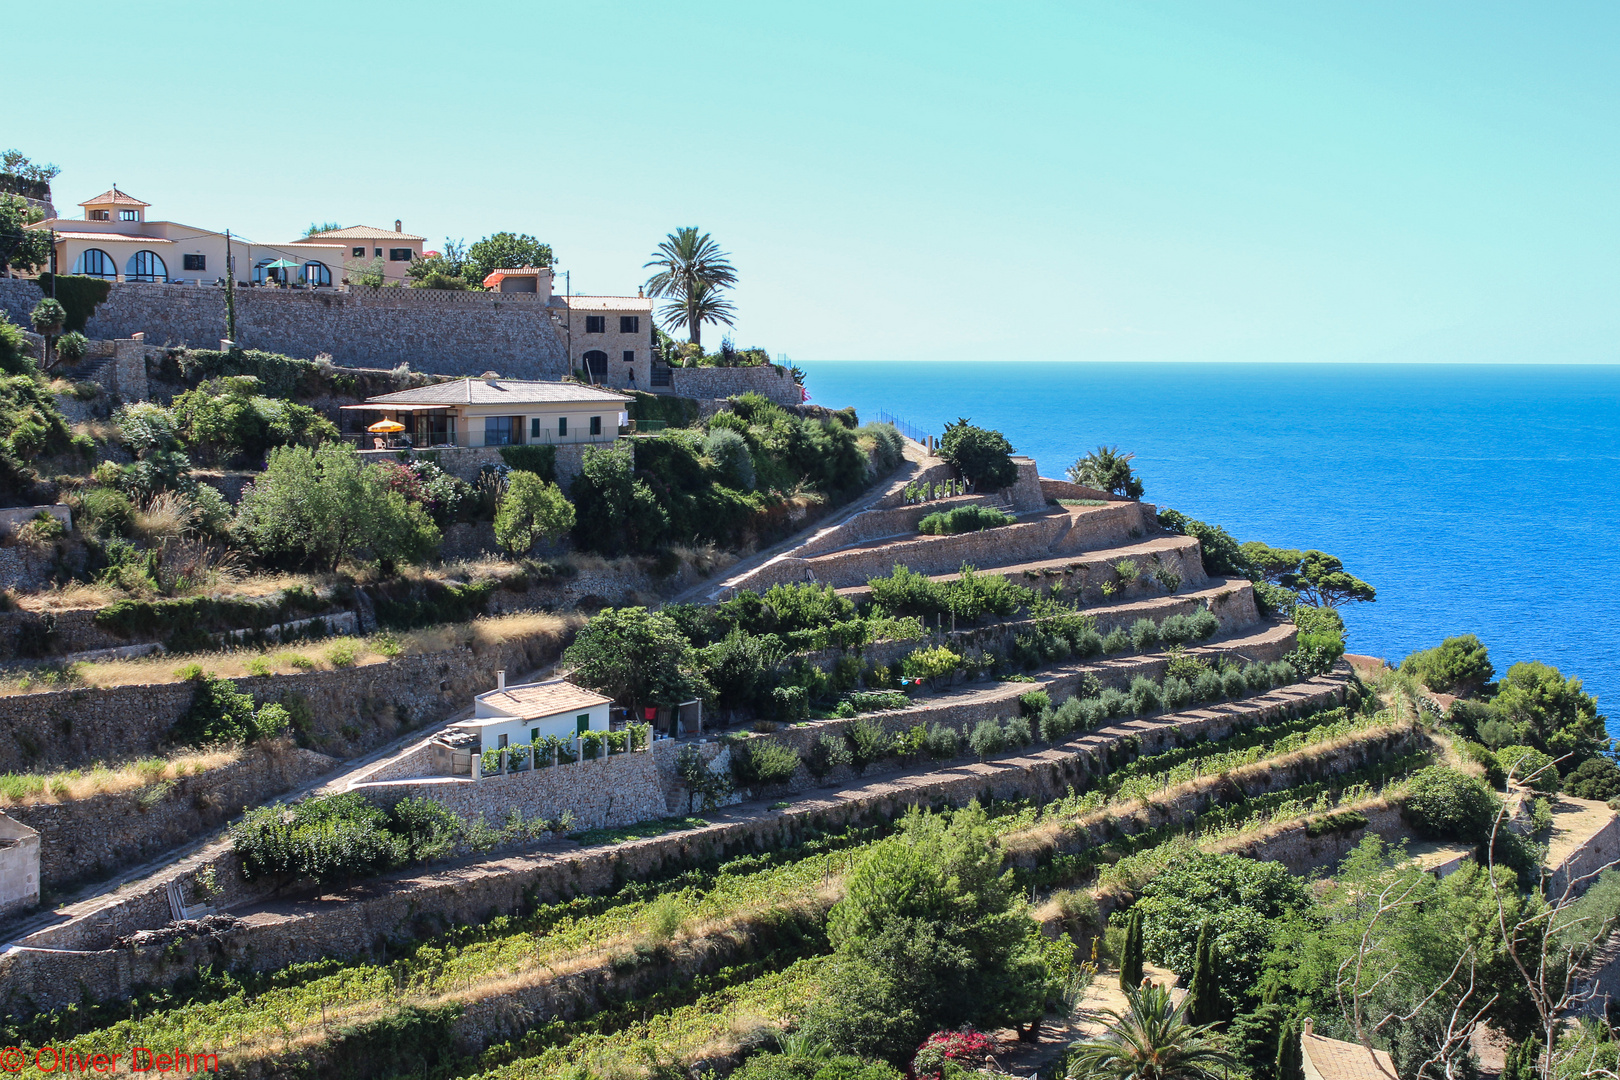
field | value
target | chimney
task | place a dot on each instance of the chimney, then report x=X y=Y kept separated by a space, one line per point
x=398 y=225
x=500 y=679
x=1309 y=1024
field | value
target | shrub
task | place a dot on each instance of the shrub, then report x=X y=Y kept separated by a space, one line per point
x=759 y=763
x=1145 y=696
x=1144 y=635
x=963 y=519
x=1458 y=665
x=1233 y=684
x=531 y=511
x=1444 y=804
x=220 y=713
x=1495 y=775
x=987 y=738
x=1595 y=778
x=1529 y=766
x=874 y=701
x=867 y=743
x=932 y=663
x=1034 y=703
x=982 y=455
x=428 y=828
x=943 y=742
x=1176 y=630
x=1114 y=702
x=1018 y=732
x=1117 y=641
x=824 y=755
x=1207 y=686
x=1177 y=693
x=327 y=838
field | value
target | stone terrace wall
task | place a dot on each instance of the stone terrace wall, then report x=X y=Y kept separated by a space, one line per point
x=377 y=912
x=878 y=524
x=605 y=793
x=1063 y=489
x=711 y=383
x=94 y=837
x=451 y=333
x=351 y=709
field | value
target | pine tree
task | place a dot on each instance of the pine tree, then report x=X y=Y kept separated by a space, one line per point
x=1521 y=1060
x=1130 y=960
x=1290 y=1057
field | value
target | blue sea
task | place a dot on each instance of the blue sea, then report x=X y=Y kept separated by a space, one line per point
x=1477 y=498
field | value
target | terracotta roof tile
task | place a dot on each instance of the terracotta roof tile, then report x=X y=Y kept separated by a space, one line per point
x=500 y=392
x=113 y=195
x=361 y=232
x=540 y=699
x=1332 y=1059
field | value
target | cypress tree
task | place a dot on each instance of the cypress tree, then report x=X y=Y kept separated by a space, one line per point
x=1290 y=1057
x=1201 y=991
x=1521 y=1060
x=1130 y=960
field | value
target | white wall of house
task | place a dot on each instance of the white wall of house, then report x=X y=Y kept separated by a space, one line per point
x=546 y=426
x=519 y=730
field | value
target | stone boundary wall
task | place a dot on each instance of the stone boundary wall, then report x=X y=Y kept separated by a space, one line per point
x=405 y=906
x=1063 y=489
x=607 y=792
x=350 y=709
x=879 y=524
x=450 y=333
x=1025 y=494
x=717 y=383
x=93 y=838
x=934 y=473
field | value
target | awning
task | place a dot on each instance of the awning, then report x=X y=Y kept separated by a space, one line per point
x=397 y=408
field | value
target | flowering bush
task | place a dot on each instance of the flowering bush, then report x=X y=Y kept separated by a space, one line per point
x=442 y=495
x=967 y=1048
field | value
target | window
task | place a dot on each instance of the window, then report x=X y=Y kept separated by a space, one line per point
x=596 y=425
x=596 y=324
x=316 y=273
x=534 y=735
x=629 y=324
x=503 y=431
x=100 y=215
x=582 y=723
x=146 y=266
x=629 y=356
x=562 y=427
x=193 y=262
x=534 y=427
x=377 y=252
x=502 y=743
x=399 y=254
x=93 y=262
x=358 y=252
x=129 y=215
x=596 y=362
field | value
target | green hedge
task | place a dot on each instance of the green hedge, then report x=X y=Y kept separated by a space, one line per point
x=79 y=295
x=667 y=410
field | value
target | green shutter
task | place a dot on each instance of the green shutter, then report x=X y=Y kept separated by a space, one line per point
x=582 y=723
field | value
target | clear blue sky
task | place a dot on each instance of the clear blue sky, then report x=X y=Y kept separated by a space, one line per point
x=1124 y=181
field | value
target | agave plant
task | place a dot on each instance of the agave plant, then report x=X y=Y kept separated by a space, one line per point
x=1151 y=1040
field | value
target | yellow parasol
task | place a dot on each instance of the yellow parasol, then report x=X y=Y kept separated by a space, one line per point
x=386 y=425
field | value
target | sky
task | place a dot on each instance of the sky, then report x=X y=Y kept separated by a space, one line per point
x=1196 y=181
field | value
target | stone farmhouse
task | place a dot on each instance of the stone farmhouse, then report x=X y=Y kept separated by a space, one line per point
x=609 y=339
x=116 y=241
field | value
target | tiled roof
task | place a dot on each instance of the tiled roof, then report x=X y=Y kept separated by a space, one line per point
x=113 y=195
x=361 y=232
x=494 y=277
x=1331 y=1059
x=603 y=303
x=117 y=238
x=541 y=699
x=499 y=392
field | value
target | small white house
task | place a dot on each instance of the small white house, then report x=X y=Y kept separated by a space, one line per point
x=515 y=715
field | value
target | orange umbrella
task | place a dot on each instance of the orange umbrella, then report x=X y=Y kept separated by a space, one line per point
x=386 y=425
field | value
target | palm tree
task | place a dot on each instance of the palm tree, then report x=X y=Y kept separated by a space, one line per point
x=692 y=270
x=1152 y=1040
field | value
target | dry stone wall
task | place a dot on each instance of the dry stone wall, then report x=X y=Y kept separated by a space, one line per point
x=450 y=333
x=91 y=838
x=348 y=709
x=714 y=383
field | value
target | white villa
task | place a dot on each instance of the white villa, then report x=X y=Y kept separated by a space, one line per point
x=363 y=243
x=116 y=241
x=491 y=411
x=516 y=715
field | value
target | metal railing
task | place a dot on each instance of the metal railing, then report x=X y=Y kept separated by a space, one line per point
x=910 y=431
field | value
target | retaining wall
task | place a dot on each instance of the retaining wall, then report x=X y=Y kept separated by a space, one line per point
x=412 y=905
x=715 y=383
x=451 y=333
x=878 y=524
x=349 y=709
x=94 y=837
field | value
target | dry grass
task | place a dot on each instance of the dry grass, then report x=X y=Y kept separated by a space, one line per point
x=323 y=655
x=165 y=516
x=23 y=789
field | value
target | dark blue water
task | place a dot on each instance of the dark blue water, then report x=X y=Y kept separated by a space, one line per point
x=1474 y=498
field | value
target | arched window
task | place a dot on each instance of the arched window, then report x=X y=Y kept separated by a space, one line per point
x=146 y=266
x=93 y=262
x=596 y=366
x=316 y=273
